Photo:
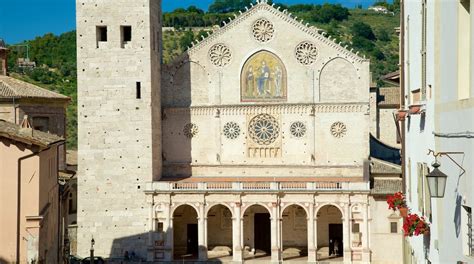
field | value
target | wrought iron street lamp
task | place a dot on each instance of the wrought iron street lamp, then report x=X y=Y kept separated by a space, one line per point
x=436 y=181
x=92 y=250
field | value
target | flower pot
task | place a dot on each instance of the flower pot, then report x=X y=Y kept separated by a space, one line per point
x=414 y=109
x=401 y=115
x=403 y=212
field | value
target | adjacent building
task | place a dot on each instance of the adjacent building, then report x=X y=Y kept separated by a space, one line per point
x=46 y=109
x=254 y=143
x=437 y=77
x=29 y=194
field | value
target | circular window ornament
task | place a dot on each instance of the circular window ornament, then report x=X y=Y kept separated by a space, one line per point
x=220 y=55
x=306 y=53
x=263 y=30
x=338 y=129
x=264 y=129
x=298 y=129
x=190 y=130
x=231 y=130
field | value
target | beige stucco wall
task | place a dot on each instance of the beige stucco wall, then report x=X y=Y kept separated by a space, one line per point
x=386 y=247
x=387 y=127
x=39 y=195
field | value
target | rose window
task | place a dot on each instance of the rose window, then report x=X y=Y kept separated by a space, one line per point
x=190 y=130
x=338 y=129
x=220 y=55
x=231 y=130
x=264 y=129
x=306 y=53
x=298 y=129
x=263 y=30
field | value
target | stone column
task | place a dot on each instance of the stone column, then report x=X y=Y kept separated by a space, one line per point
x=311 y=235
x=237 y=254
x=168 y=229
x=202 y=232
x=276 y=253
x=346 y=234
x=365 y=234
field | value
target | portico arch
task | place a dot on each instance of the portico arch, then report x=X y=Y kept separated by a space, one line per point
x=185 y=232
x=257 y=231
x=219 y=231
x=330 y=232
x=294 y=232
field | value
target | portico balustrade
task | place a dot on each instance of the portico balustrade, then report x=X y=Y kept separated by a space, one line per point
x=272 y=186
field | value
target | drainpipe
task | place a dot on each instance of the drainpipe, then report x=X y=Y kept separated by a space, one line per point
x=18 y=208
x=402 y=106
x=59 y=202
x=402 y=89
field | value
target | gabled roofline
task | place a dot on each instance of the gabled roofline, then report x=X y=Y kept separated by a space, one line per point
x=263 y=4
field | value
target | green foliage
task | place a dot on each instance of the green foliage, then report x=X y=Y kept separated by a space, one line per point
x=363 y=30
x=186 y=40
x=226 y=6
x=327 y=12
x=56 y=71
x=394 y=7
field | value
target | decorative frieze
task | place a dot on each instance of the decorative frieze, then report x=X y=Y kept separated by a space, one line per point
x=227 y=110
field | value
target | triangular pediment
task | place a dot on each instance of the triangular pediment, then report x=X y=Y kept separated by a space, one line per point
x=263 y=9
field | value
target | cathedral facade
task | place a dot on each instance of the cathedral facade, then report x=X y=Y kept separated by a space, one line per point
x=253 y=143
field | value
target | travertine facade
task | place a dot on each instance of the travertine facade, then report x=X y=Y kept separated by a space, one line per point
x=265 y=126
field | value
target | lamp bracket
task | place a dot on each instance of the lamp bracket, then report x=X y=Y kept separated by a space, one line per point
x=447 y=154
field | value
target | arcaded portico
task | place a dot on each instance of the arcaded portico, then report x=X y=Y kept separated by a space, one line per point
x=200 y=224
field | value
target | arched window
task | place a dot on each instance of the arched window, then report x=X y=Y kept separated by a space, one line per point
x=263 y=78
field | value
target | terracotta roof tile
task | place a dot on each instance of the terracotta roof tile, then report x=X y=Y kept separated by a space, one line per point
x=378 y=166
x=386 y=186
x=14 y=88
x=27 y=135
x=389 y=96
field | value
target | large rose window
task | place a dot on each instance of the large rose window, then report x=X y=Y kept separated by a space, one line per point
x=264 y=129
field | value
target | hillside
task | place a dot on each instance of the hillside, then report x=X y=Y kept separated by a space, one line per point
x=370 y=33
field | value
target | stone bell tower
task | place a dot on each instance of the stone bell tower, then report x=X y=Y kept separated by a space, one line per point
x=119 y=115
x=3 y=58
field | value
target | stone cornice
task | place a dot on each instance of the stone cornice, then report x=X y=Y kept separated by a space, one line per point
x=285 y=16
x=270 y=108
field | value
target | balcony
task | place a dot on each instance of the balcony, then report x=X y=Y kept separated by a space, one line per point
x=196 y=187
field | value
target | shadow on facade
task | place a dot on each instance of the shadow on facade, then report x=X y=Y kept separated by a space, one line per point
x=178 y=127
x=126 y=250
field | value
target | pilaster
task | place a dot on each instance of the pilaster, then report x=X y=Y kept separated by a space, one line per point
x=346 y=233
x=312 y=236
x=202 y=232
x=276 y=252
x=237 y=253
x=365 y=232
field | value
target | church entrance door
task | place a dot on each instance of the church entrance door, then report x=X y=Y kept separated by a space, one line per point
x=262 y=232
x=192 y=242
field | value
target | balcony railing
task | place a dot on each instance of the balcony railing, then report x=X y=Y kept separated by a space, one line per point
x=255 y=186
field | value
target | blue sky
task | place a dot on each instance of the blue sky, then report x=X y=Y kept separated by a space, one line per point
x=25 y=19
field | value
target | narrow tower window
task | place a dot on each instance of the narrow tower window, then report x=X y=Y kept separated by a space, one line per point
x=126 y=32
x=101 y=34
x=139 y=90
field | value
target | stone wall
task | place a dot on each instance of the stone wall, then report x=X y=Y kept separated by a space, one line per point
x=119 y=131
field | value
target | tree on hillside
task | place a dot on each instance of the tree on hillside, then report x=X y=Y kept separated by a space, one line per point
x=327 y=12
x=361 y=29
x=226 y=6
